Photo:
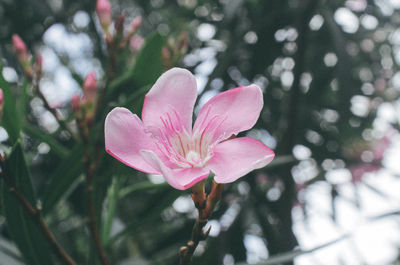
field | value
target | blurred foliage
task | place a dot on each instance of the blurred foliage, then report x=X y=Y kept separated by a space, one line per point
x=323 y=82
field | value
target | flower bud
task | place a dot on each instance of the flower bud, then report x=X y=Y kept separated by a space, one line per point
x=19 y=45
x=119 y=24
x=166 y=57
x=38 y=66
x=22 y=54
x=1 y=102
x=103 y=10
x=90 y=87
x=183 y=43
x=76 y=102
x=136 y=43
x=135 y=24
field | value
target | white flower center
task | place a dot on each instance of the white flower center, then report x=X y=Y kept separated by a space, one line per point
x=186 y=149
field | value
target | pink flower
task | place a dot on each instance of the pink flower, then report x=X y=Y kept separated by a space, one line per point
x=103 y=10
x=164 y=142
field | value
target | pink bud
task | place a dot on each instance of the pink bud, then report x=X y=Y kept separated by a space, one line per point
x=136 y=43
x=135 y=24
x=1 y=101
x=1 y=97
x=76 y=102
x=90 y=86
x=19 y=45
x=166 y=56
x=103 y=10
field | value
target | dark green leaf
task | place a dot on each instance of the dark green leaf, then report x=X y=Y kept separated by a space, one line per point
x=9 y=119
x=56 y=147
x=148 y=66
x=63 y=178
x=22 y=228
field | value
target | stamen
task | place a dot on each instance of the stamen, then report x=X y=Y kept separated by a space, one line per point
x=186 y=149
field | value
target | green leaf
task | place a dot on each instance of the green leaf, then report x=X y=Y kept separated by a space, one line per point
x=9 y=254
x=291 y=255
x=9 y=119
x=22 y=228
x=55 y=146
x=143 y=186
x=63 y=178
x=148 y=66
x=282 y=160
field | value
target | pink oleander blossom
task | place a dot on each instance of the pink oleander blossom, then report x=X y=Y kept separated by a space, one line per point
x=164 y=142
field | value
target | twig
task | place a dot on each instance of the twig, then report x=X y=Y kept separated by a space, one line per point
x=205 y=205
x=90 y=169
x=53 y=111
x=36 y=214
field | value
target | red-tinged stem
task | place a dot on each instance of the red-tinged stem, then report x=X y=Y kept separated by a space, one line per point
x=205 y=205
x=89 y=174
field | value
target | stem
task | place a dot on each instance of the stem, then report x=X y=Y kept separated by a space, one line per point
x=53 y=111
x=36 y=215
x=90 y=169
x=205 y=205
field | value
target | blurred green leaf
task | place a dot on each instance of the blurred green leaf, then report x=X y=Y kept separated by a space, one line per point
x=63 y=178
x=9 y=119
x=290 y=256
x=282 y=160
x=143 y=186
x=148 y=66
x=9 y=254
x=20 y=225
x=56 y=147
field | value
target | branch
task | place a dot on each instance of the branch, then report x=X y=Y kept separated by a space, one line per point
x=90 y=169
x=205 y=205
x=53 y=111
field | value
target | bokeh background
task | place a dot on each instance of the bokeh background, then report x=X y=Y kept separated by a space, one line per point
x=329 y=71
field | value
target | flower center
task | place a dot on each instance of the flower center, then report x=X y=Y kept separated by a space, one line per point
x=182 y=148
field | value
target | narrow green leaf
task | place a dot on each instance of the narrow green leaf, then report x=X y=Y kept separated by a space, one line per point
x=282 y=160
x=9 y=119
x=143 y=186
x=20 y=225
x=55 y=146
x=111 y=203
x=291 y=255
x=9 y=253
x=63 y=178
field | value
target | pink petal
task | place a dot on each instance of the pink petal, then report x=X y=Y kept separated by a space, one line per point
x=179 y=178
x=125 y=137
x=235 y=158
x=175 y=90
x=238 y=109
